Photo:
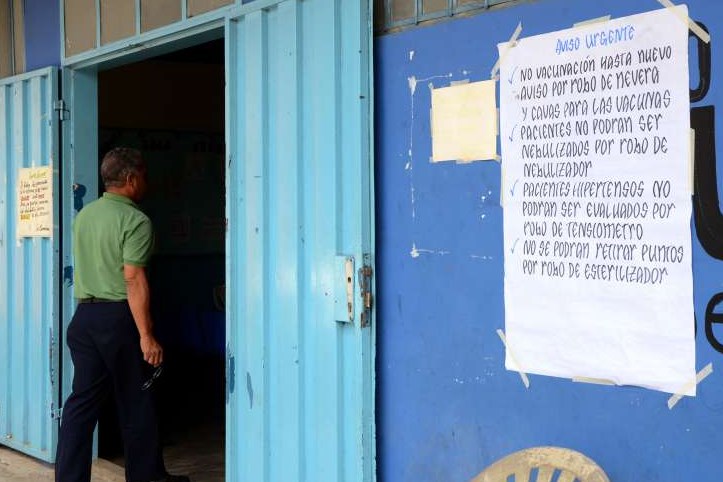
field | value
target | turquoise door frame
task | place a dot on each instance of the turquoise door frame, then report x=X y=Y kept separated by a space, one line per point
x=29 y=271
x=300 y=227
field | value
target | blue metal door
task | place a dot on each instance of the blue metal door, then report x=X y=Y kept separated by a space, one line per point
x=29 y=271
x=300 y=373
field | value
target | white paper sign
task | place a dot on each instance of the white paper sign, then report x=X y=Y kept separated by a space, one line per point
x=595 y=142
x=35 y=202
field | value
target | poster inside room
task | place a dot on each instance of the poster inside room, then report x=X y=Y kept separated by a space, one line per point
x=595 y=137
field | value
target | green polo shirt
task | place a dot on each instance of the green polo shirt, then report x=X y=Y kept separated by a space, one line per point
x=107 y=234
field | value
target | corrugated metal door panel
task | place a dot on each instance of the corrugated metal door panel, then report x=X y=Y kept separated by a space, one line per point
x=300 y=405
x=29 y=283
x=79 y=184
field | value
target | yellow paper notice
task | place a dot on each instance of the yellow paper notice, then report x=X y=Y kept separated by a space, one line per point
x=35 y=202
x=464 y=122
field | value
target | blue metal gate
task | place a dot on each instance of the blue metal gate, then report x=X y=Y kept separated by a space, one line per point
x=29 y=271
x=299 y=246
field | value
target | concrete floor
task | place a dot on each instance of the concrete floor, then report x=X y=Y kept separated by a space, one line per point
x=197 y=453
x=200 y=456
x=16 y=467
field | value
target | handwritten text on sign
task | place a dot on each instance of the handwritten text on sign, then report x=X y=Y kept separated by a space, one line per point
x=35 y=202
x=595 y=142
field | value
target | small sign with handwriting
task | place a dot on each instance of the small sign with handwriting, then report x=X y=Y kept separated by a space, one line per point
x=35 y=202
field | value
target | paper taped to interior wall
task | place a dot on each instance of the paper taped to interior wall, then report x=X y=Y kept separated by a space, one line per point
x=464 y=122
x=595 y=138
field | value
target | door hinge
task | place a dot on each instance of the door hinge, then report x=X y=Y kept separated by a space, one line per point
x=62 y=109
x=55 y=413
x=365 y=287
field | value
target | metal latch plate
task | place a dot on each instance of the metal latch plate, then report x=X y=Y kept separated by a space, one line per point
x=344 y=289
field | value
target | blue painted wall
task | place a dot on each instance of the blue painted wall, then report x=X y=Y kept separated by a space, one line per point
x=42 y=33
x=446 y=406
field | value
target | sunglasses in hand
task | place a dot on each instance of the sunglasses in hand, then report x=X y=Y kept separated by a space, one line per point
x=156 y=373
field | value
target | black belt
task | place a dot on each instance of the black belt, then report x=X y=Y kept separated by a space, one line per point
x=93 y=299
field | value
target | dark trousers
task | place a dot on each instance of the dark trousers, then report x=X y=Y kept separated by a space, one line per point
x=105 y=348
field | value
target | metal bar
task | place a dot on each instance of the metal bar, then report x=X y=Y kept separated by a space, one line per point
x=469 y=7
x=388 y=14
x=184 y=9
x=239 y=10
x=62 y=29
x=138 y=17
x=433 y=16
x=19 y=49
x=97 y=24
x=402 y=23
x=11 y=4
x=453 y=8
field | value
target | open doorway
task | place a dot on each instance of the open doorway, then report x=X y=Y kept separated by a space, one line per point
x=172 y=108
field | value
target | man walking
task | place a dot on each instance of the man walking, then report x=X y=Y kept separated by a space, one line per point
x=111 y=334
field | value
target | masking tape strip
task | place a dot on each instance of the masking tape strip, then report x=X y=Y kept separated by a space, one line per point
x=595 y=381
x=523 y=375
x=605 y=18
x=510 y=44
x=502 y=181
x=458 y=82
x=691 y=161
x=672 y=401
x=497 y=133
x=694 y=27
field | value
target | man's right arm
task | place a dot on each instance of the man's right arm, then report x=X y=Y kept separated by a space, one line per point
x=139 y=302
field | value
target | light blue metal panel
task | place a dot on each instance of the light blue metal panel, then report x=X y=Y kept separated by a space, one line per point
x=301 y=387
x=29 y=275
x=79 y=181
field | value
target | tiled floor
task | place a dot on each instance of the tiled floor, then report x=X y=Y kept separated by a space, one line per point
x=200 y=456
x=197 y=453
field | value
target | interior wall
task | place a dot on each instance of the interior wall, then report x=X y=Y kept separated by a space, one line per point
x=173 y=111
x=163 y=95
x=447 y=407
